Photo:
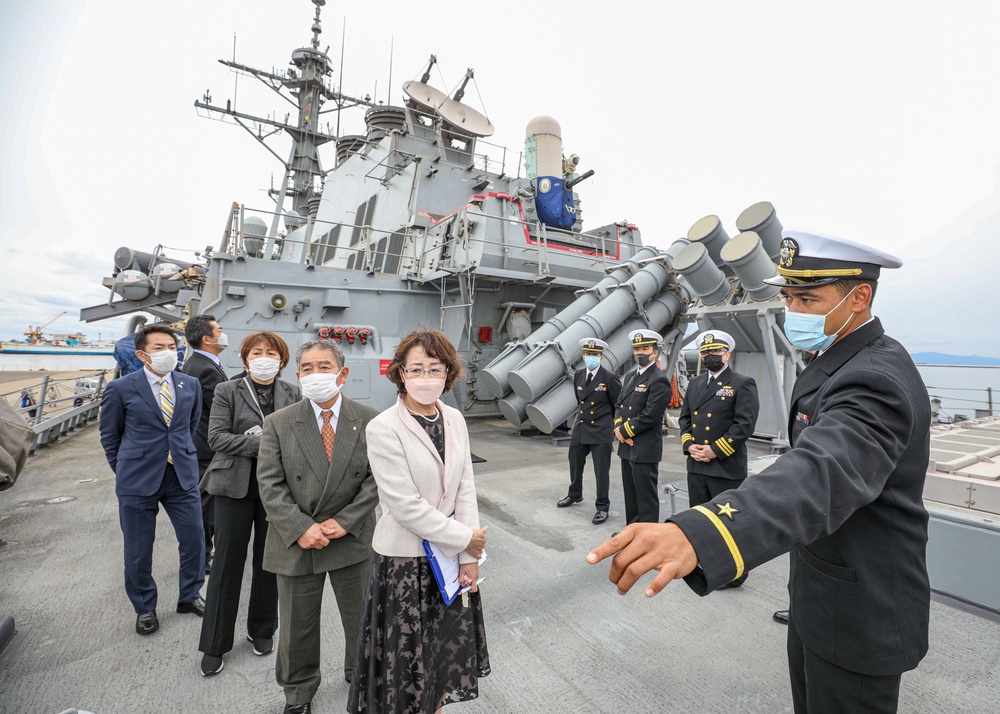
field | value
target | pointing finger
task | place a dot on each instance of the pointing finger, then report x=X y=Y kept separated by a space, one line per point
x=611 y=546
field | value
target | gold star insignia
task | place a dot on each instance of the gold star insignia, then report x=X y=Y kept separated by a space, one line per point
x=726 y=510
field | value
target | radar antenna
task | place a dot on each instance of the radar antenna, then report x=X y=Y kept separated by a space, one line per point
x=307 y=87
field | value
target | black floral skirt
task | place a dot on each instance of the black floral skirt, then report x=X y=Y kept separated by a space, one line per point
x=415 y=653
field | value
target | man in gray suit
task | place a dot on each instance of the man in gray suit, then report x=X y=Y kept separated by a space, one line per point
x=320 y=497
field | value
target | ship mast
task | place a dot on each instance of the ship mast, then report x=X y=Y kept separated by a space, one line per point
x=306 y=86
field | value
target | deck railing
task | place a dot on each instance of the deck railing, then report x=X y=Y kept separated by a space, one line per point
x=57 y=407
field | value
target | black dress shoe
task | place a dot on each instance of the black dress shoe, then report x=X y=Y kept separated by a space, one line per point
x=568 y=501
x=299 y=708
x=195 y=607
x=210 y=664
x=261 y=645
x=781 y=616
x=600 y=517
x=146 y=623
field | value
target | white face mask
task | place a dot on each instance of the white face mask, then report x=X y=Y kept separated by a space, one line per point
x=163 y=361
x=320 y=387
x=222 y=340
x=264 y=368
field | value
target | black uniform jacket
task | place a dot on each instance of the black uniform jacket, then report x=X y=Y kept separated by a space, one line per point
x=644 y=400
x=721 y=413
x=210 y=375
x=597 y=406
x=846 y=501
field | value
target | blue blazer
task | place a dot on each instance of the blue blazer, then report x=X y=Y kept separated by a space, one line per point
x=136 y=438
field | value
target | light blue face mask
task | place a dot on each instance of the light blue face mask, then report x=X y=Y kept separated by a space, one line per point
x=592 y=361
x=806 y=331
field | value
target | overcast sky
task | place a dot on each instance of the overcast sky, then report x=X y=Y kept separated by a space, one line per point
x=879 y=122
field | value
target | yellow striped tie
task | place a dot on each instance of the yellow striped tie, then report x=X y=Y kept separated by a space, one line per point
x=166 y=408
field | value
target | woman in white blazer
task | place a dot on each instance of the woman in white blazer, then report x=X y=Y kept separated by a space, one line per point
x=415 y=653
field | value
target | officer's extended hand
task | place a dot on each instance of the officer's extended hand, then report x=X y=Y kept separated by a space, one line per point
x=642 y=547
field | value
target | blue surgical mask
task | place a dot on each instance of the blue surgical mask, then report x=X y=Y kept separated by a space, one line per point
x=592 y=362
x=806 y=331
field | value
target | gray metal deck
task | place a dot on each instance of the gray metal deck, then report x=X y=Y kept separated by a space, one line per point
x=561 y=639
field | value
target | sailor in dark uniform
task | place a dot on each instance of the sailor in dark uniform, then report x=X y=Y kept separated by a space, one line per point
x=597 y=390
x=639 y=428
x=845 y=500
x=717 y=417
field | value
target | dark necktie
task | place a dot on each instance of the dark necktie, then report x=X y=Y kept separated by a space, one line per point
x=590 y=376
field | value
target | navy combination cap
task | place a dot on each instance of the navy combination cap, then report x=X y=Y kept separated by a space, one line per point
x=594 y=346
x=641 y=338
x=715 y=340
x=811 y=259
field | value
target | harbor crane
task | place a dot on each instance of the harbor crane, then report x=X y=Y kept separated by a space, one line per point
x=35 y=334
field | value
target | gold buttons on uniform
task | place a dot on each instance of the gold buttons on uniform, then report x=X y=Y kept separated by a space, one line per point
x=696 y=413
x=709 y=415
x=708 y=428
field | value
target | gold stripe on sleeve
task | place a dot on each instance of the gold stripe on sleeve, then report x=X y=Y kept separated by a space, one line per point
x=726 y=536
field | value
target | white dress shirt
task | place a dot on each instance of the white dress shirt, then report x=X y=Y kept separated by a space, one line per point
x=319 y=413
x=154 y=383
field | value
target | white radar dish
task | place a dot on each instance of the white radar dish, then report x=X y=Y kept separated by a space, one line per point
x=465 y=119
x=425 y=95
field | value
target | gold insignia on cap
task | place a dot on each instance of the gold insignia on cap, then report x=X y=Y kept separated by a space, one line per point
x=709 y=338
x=638 y=337
x=591 y=344
x=789 y=249
x=726 y=510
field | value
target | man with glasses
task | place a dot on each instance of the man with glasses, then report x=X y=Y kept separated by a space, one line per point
x=717 y=417
x=148 y=420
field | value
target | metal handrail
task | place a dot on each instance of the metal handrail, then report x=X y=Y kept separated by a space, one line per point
x=54 y=410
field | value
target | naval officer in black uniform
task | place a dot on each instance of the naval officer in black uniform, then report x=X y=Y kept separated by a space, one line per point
x=639 y=428
x=717 y=417
x=845 y=500
x=597 y=390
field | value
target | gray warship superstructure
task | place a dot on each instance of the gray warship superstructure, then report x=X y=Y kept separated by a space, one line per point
x=421 y=223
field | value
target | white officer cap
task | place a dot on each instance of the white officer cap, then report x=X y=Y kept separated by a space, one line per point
x=715 y=340
x=594 y=346
x=809 y=259
x=641 y=338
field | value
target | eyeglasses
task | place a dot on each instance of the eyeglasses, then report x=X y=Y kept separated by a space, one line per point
x=435 y=372
x=714 y=352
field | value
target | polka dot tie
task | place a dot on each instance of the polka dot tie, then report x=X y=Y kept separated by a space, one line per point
x=327 y=432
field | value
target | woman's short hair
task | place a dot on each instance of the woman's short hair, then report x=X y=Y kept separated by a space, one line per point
x=436 y=345
x=268 y=338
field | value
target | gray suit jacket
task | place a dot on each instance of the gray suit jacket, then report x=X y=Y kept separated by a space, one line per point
x=234 y=410
x=299 y=487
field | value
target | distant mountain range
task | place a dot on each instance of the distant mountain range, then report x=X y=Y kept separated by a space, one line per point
x=941 y=358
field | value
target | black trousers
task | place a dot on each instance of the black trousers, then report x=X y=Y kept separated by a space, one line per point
x=821 y=687
x=601 y=454
x=235 y=519
x=207 y=511
x=702 y=488
x=642 y=504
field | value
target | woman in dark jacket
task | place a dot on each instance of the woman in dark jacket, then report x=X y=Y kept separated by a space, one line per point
x=234 y=430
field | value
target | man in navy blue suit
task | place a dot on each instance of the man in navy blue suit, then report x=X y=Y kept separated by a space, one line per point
x=147 y=423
